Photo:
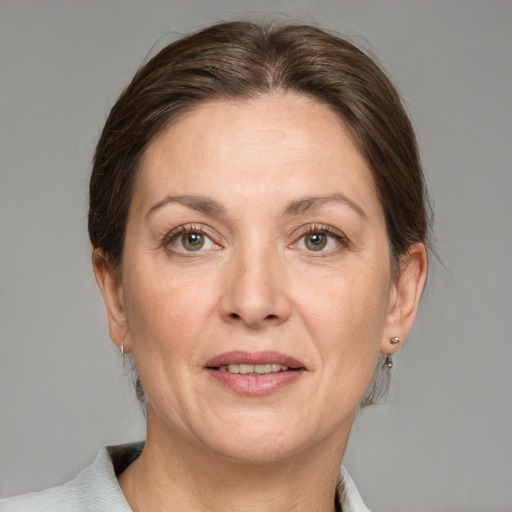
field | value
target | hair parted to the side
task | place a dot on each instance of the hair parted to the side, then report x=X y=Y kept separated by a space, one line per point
x=242 y=60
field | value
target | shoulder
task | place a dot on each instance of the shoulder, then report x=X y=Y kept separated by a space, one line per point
x=94 y=489
x=56 y=499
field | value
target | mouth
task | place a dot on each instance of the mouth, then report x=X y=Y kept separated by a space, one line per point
x=255 y=373
x=254 y=370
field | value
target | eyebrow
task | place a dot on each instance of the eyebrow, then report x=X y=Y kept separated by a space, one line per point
x=312 y=203
x=209 y=206
x=201 y=204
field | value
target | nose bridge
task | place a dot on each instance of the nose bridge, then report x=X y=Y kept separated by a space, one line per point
x=255 y=291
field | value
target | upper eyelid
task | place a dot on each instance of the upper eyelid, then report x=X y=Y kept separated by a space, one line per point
x=319 y=228
x=190 y=228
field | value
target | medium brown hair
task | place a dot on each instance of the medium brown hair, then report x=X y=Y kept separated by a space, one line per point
x=244 y=60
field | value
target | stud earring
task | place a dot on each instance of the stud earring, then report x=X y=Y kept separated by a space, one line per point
x=389 y=361
x=122 y=347
x=395 y=340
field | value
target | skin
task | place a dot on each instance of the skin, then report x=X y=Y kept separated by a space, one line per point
x=256 y=284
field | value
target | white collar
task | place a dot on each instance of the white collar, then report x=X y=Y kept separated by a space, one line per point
x=348 y=495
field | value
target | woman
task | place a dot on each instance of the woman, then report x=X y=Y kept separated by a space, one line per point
x=258 y=222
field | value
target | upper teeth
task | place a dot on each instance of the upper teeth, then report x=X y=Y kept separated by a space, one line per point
x=253 y=368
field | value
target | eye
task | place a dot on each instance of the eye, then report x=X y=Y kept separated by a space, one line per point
x=320 y=239
x=189 y=240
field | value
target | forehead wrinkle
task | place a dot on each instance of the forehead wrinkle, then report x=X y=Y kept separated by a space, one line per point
x=312 y=203
x=201 y=204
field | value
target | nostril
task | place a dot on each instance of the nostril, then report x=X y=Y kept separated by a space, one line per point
x=236 y=316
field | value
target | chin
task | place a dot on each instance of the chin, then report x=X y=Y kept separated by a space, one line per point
x=257 y=449
x=261 y=438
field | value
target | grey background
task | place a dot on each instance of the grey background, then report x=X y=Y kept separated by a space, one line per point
x=443 y=441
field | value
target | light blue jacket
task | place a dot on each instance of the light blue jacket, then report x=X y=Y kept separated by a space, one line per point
x=95 y=489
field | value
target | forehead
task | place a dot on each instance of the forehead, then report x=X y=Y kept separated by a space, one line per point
x=279 y=145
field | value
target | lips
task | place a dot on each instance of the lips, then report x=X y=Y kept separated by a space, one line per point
x=255 y=373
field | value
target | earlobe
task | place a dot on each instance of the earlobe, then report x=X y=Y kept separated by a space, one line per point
x=406 y=298
x=111 y=288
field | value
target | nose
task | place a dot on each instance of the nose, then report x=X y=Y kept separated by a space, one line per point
x=255 y=292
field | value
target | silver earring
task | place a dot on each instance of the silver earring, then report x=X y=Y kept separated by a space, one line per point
x=394 y=340
x=122 y=347
x=389 y=361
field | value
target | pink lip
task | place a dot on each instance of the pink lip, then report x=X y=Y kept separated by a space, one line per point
x=250 y=385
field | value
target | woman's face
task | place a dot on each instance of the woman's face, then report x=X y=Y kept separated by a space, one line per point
x=255 y=242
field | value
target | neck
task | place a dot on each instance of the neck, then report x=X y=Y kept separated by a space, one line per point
x=175 y=474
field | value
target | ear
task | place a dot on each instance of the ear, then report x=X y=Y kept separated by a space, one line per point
x=405 y=297
x=111 y=287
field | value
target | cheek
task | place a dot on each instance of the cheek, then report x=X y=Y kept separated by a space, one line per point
x=167 y=318
x=345 y=315
x=347 y=302
x=167 y=312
